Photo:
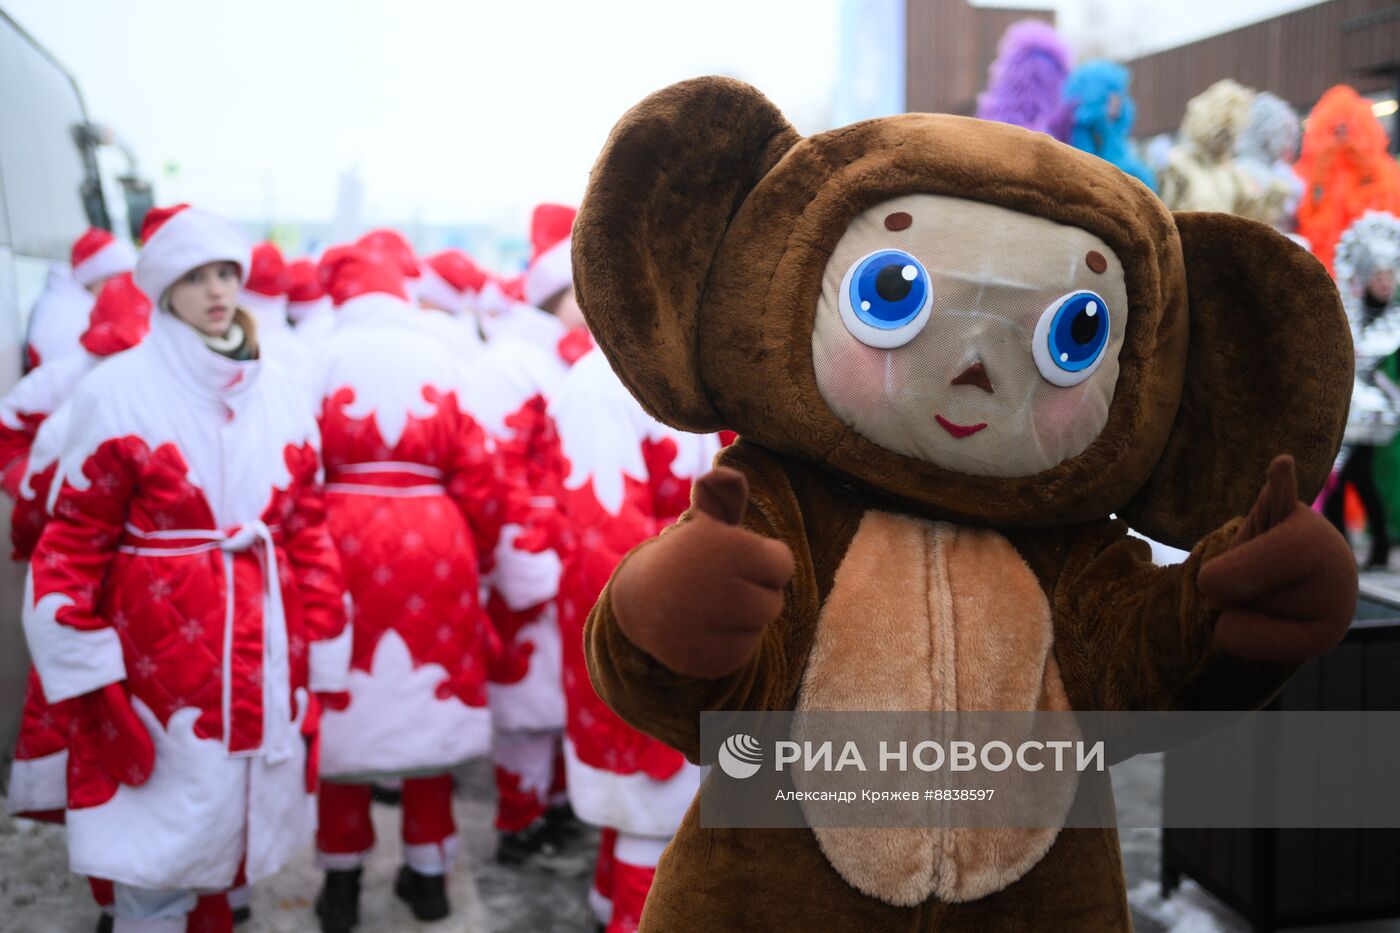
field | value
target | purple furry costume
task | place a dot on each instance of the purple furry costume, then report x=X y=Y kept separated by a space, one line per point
x=1027 y=78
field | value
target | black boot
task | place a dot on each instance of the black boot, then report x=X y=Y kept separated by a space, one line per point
x=242 y=915
x=536 y=847
x=338 y=904
x=561 y=825
x=104 y=923
x=392 y=796
x=425 y=895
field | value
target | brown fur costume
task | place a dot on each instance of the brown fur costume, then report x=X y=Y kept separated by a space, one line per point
x=699 y=258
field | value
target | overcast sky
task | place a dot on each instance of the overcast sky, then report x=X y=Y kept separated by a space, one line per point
x=456 y=111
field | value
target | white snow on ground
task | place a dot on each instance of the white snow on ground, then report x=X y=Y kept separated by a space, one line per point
x=283 y=904
x=39 y=895
x=1189 y=910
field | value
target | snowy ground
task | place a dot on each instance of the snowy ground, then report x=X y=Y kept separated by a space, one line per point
x=37 y=895
x=1137 y=787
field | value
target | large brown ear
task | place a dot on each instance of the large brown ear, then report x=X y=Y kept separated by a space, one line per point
x=1269 y=372
x=671 y=176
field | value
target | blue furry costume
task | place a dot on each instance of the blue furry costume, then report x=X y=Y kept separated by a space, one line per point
x=1096 y=126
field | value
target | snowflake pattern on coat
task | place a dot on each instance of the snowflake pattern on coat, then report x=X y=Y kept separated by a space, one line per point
x=415 y=509
x=629 y=477
x=187 y=560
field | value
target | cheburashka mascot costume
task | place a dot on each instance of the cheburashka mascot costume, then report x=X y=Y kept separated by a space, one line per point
x=951 y=349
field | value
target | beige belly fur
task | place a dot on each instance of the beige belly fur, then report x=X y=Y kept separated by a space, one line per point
x=929 y=616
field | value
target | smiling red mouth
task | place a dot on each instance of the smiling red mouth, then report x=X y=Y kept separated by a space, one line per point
x=959 y=430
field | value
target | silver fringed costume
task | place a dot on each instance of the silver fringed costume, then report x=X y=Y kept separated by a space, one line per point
x=1266 y=150
x=1370 y=244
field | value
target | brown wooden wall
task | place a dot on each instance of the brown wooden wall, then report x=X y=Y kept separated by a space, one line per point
x=1297 y=56
x=948 y=47
x=1371 y=43
x=950 y=44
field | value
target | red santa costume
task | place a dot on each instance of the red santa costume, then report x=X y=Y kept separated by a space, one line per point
x=393 y=244
x=513 y=307
x=521 y=374
x=413 y=502
x=517 y=308
x=60 y=315
x=490 y=302
x=418 y=279
x=527 y=704
x=308 y=308
x=629 y=477
x=25 y=407
x=451 y=282
x=186 y=598
x=120 y=318
x=56 y=320
x=265 y=297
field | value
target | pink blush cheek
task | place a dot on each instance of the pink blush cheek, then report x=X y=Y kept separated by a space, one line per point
x=1060 y=416
x=855 y=375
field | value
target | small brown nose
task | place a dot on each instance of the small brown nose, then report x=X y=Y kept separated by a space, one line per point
x=974 y=375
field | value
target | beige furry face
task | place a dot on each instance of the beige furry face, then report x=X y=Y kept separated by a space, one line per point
x=979 y=339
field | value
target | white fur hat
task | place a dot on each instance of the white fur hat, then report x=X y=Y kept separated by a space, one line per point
x=180 y=238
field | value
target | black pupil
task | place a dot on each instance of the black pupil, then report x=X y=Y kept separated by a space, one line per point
x=890 y=283
x=1084 y=328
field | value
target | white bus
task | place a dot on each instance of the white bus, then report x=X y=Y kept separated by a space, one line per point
x=50 y=191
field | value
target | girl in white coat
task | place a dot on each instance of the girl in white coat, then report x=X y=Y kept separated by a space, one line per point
x=186 y=599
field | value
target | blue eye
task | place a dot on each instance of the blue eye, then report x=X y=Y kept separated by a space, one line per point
x=1070 y=338
x=886 y=298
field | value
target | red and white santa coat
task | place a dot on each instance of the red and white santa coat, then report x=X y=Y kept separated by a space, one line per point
x=38 y=774
x=414 y=503
x=38 y=785
x=521 y=321
x=57 y=319
x=513 y=379
x=456 y=333
x=629 y=476
x=24 y=408
x=117 y=321
x=276 y=338
x=312 y=320
x=188 y=557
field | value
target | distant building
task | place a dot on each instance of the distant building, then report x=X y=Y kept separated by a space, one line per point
x=1297 y=55
x=949 y=44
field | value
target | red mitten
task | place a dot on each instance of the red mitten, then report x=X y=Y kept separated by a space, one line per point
x=699 y=598
x=124 y=747
x=1287 y=584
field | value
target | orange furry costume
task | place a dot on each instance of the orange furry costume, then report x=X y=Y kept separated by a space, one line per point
x=1346 y=168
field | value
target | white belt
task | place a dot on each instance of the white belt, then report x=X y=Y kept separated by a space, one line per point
x=417 y=471
x=278 y=731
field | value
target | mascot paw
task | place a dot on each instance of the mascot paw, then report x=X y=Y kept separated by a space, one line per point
x=1287 y=584
x=699 y=598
